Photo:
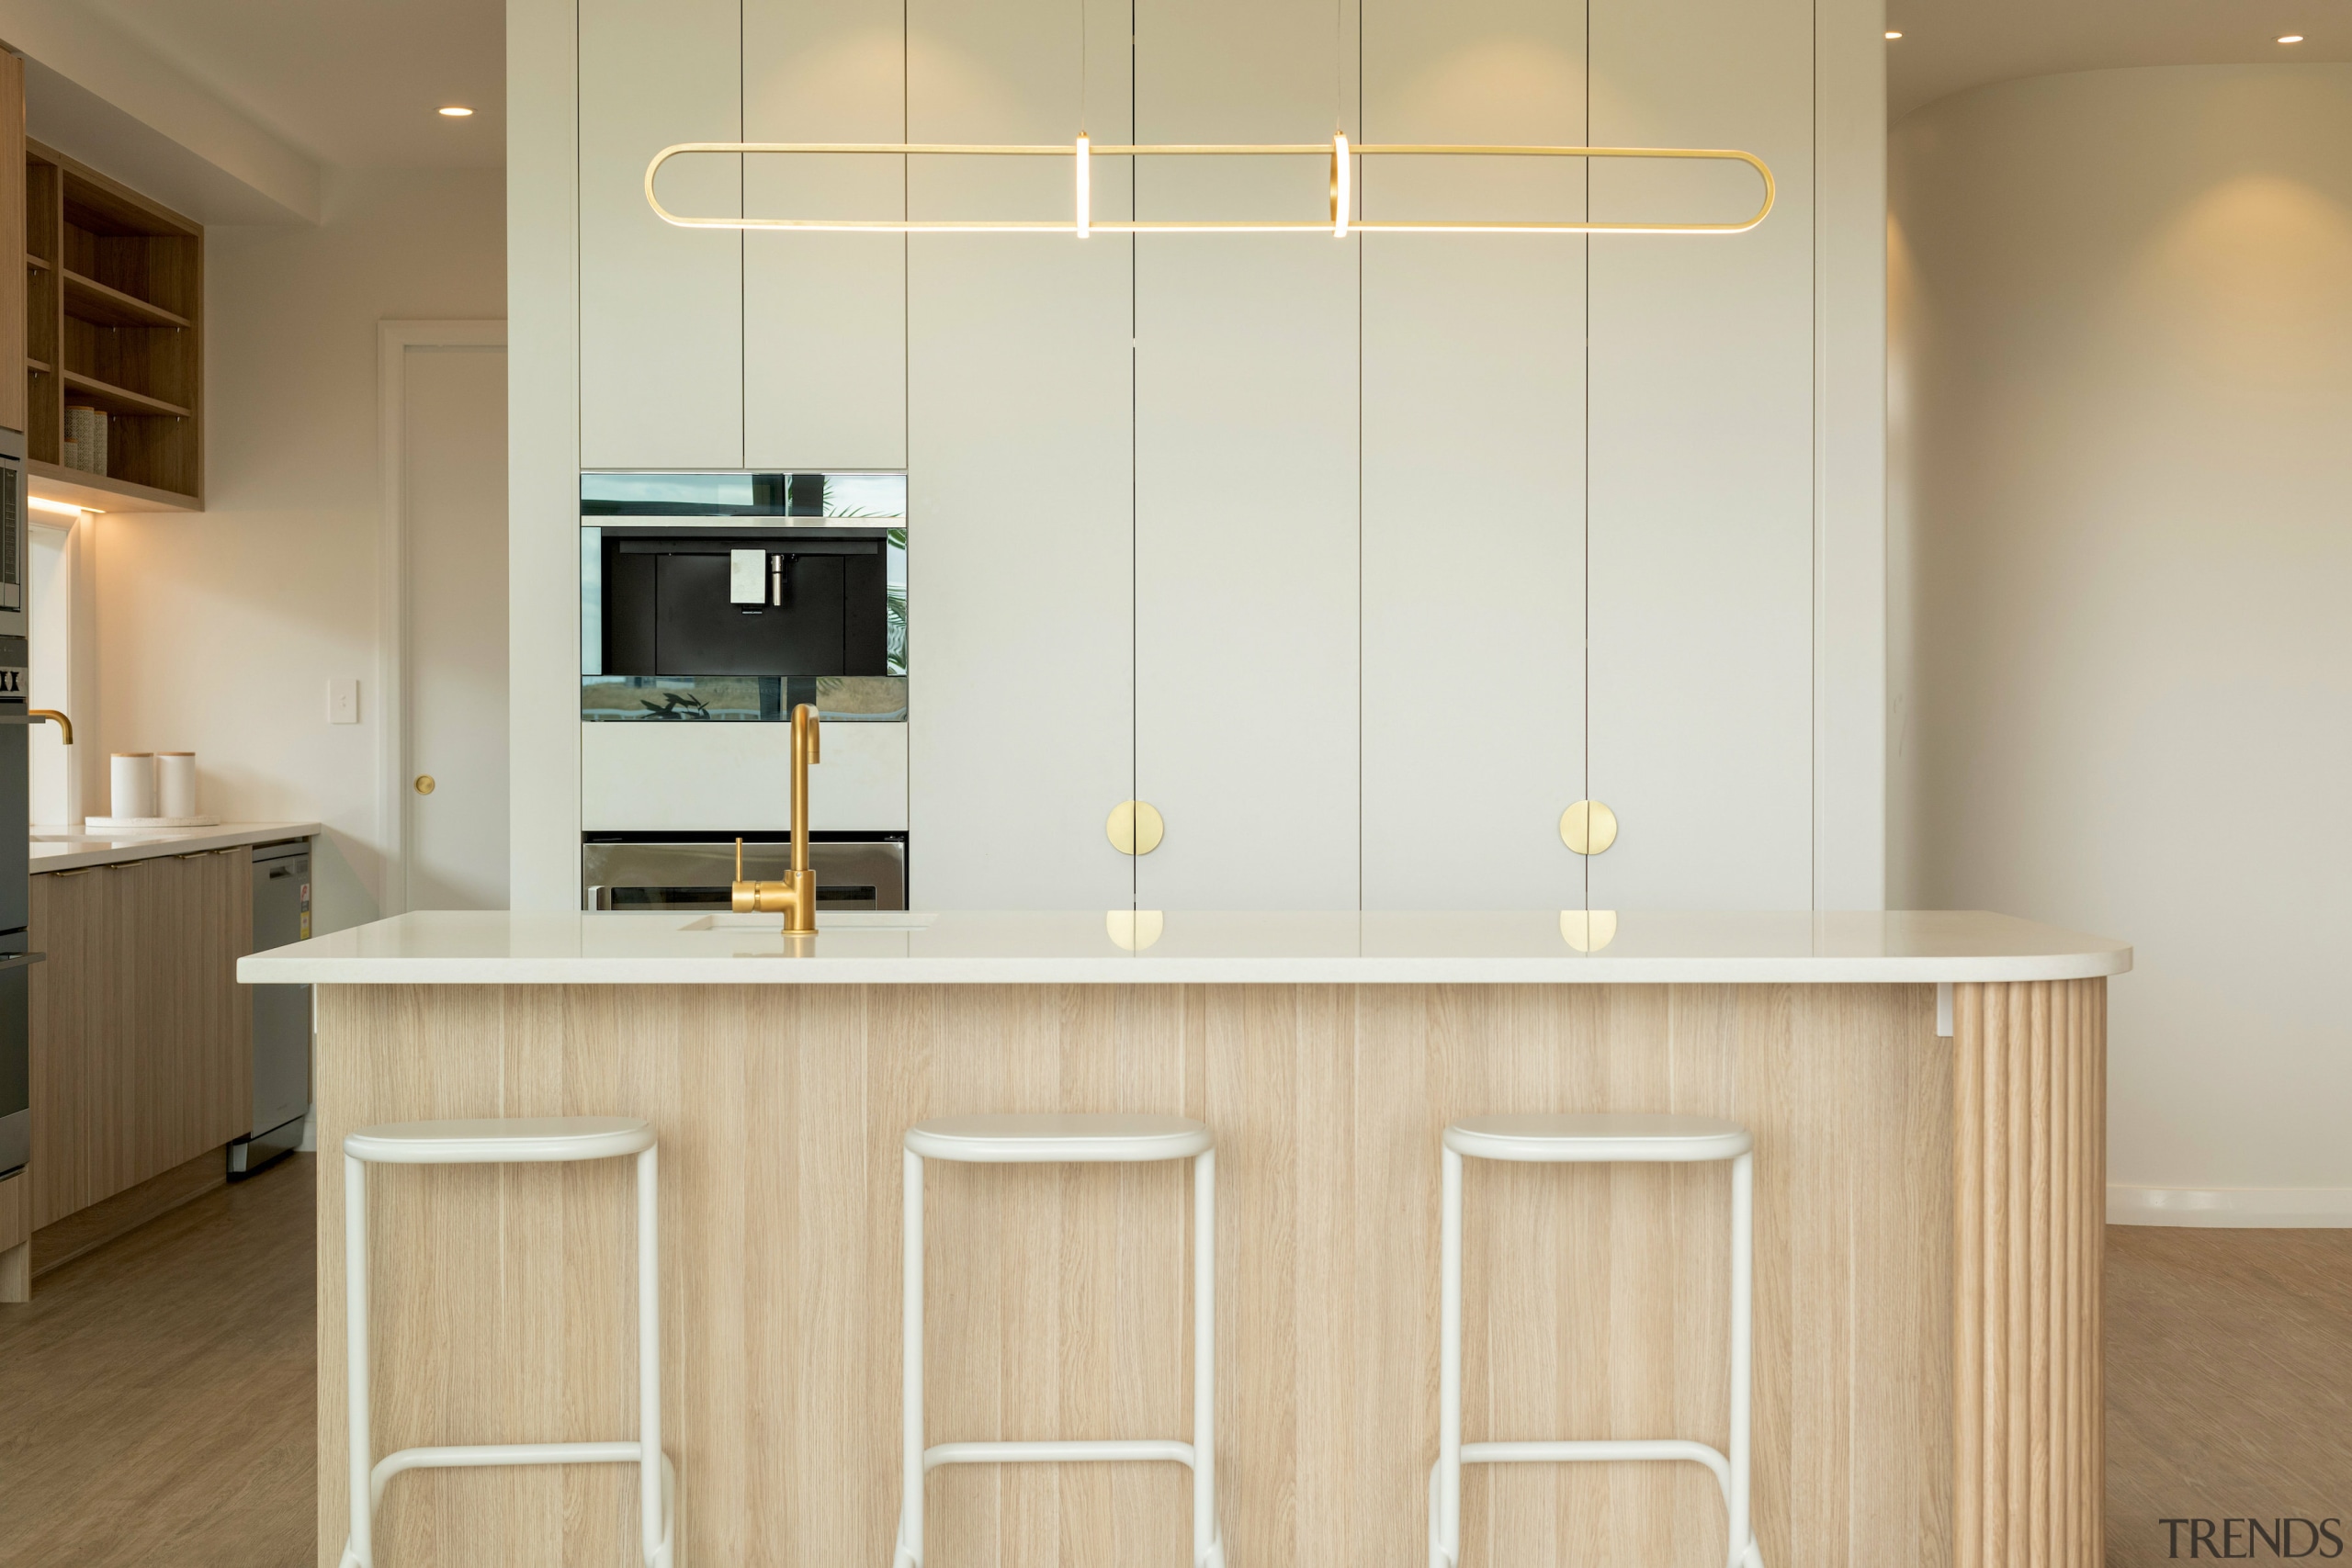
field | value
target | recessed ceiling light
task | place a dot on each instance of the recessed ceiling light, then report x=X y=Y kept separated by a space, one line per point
x=1894 y=35
x=2292 y=38
x=457 y=112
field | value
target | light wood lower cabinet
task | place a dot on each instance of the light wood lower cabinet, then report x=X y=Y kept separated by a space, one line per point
x=142 y=1038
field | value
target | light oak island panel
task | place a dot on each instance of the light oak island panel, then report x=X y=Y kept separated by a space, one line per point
x=1056 y=1300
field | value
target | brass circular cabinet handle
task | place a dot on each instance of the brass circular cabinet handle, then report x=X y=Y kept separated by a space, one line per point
x=1588 y=828
x=1135 y=828
x=424 y=783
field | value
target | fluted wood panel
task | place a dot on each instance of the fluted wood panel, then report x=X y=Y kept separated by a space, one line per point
x=1057 y=1300
x=2031 y=1161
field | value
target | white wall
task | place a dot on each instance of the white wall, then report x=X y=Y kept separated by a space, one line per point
x=2123 y=681
x=218 y=632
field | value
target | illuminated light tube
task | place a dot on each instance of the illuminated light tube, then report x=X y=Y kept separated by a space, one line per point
x=1085 y=185
x=43 y=504
x=1082 y=222
x=1339 y=184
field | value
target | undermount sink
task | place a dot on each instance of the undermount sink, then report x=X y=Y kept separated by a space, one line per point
x=847 y=920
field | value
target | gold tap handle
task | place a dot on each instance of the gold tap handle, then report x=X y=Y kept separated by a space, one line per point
x=739 y=860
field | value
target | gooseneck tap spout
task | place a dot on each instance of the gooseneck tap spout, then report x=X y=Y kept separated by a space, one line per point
x=796 y=896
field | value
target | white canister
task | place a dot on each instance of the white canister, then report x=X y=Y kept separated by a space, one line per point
x=175 y=783
x=134 y=784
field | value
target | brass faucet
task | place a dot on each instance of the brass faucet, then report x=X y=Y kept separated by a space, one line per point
x=796 y=896
x=51 y=715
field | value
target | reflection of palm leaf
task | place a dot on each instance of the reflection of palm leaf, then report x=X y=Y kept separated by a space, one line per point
x=676 y=705
x=894 y=604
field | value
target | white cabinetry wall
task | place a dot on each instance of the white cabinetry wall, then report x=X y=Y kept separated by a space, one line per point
x=1702 y=523
x=1361 y=560
x=1247 y=572
x=1474 y=496
x=824 y=342
x=1021 y=586
x=660 y=307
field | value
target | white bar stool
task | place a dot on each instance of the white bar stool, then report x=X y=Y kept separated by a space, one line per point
x=505 y=1141
x=1606 y=1139
x=1052 y=1140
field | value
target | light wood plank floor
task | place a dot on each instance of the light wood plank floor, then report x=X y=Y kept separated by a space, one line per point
x=158 y=1398
x=2229 y=1384
x=158 y=1394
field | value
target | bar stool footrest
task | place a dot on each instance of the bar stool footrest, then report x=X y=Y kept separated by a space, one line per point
x=1087 y=1451
x=1604 y=1450
x=474 y=1455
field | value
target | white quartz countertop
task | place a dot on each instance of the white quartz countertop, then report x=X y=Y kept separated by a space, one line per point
x=70 y=848
x=1058 y=948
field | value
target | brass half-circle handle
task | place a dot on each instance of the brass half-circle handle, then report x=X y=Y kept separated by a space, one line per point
x=1588 y=826
x=1135 y=828
x=1587 y=930
x=424 y=783
x=1134 y=930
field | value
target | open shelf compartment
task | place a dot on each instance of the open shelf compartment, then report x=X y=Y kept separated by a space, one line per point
x=114 y=298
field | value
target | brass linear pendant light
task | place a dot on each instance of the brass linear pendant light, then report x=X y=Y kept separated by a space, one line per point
x=1082 y=222
x=1339 y=223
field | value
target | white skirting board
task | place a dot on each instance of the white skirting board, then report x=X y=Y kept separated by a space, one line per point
x=2232 y=1208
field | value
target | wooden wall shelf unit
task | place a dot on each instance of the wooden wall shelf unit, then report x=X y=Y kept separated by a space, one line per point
x=114 y=307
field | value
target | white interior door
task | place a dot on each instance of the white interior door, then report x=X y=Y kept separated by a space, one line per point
x=454 y=638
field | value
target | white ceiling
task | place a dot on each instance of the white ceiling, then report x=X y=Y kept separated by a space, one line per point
x=353 y=83
x=1948 y=46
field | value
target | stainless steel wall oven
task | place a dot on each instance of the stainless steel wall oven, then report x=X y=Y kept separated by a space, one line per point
x=694 y=871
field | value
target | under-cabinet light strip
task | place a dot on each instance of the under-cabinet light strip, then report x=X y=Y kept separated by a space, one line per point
x=1082 y=222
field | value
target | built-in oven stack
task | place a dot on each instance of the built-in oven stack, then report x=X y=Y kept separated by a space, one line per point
x=16 y=818
x=711 y=605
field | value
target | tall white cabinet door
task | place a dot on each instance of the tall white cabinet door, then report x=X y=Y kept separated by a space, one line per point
x=824 y=315
x=660 y=307
x=1020 y=490
x=1701 y=497
x=1247 y=570
x=1473 y=463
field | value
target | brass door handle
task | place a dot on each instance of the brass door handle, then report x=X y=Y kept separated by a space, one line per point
x=1588 y=828
x=424 y=783
x=1135 y=828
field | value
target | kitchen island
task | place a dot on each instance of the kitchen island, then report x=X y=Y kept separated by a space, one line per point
x=1927 y=1093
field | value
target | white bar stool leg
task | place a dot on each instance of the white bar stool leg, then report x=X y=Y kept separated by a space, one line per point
x=911 y=1472
x=1445 y=1480
x=656 y=1523
x=359 y=1551
x=1743 y=1548
x=1208 y=1545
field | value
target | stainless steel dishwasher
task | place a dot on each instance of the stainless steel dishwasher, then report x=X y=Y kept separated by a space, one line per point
x=282 y=1013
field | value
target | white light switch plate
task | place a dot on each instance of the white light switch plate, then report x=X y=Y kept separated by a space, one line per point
x=343 y=702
